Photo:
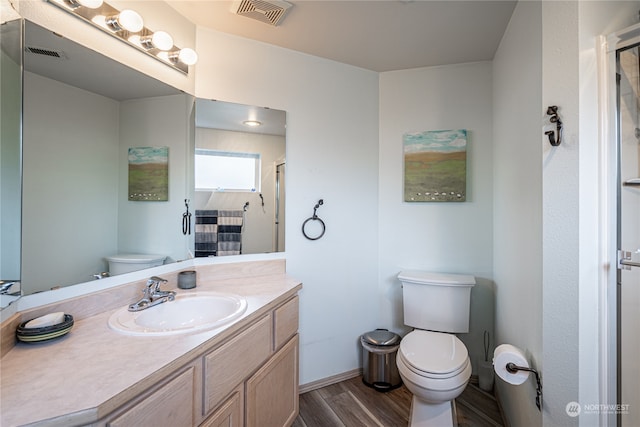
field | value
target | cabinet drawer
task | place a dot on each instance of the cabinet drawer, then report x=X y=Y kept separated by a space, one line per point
x=234 y=361
x=285 y=322
x=171 y=404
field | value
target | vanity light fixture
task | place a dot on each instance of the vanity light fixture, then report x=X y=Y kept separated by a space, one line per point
x=128 y=26
x=252 y=123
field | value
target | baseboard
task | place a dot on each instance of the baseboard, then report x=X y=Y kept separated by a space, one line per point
x=304 y=388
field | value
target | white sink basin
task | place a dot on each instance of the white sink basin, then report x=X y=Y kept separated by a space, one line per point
x=189 y=312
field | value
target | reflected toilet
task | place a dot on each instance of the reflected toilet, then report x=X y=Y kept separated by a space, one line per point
x=126 y=263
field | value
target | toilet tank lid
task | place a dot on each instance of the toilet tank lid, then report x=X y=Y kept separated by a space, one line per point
x=135 y=258
x=442 y=279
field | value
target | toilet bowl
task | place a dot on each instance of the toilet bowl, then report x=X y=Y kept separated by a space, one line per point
x=432 y=362
x=126 y=263
x=435 y=367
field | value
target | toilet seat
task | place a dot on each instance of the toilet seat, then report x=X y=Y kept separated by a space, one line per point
x=438 y=388
x=433 y=355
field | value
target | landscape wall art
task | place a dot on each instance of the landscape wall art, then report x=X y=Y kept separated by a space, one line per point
x=435 y=166
x=149 y=174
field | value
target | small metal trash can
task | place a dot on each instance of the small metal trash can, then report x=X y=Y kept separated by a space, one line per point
x=379 y=349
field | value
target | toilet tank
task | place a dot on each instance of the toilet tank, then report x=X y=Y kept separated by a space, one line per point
x=436 y=301
x=126 y=263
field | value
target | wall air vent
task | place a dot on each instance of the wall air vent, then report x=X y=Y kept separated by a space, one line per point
x=46 y=52
x=267 y=11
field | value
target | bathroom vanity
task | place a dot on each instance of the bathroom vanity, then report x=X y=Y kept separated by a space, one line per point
x=242 y=373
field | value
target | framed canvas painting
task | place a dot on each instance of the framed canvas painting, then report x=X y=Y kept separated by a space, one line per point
x=149 y=174
x=435 y=166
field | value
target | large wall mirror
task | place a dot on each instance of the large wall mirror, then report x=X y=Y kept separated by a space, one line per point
x=10 y=152
x=82 y=114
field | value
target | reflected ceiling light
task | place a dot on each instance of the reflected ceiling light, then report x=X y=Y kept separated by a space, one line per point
x=91 y=4
x=128 y=20
x=251 y=123
x=128 y=26
x=159 y=40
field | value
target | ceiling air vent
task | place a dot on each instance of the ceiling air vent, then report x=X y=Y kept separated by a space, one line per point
x=267 y=11
x=46 y=52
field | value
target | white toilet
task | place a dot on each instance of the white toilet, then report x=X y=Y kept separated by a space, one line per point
x=126 y=263
x=433 y=363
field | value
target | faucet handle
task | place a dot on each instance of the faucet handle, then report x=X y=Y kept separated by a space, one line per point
x=154 y=282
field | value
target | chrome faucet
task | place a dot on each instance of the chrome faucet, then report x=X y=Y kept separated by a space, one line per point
x=9 y=287
x=152 y=295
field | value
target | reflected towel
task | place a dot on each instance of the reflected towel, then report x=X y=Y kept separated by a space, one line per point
x=218 y=232
x=206 y=233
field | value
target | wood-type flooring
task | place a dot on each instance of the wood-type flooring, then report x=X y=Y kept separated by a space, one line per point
x=351 y=403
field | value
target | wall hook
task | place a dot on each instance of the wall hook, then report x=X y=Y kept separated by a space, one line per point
x=186 y=219
x=553 y=112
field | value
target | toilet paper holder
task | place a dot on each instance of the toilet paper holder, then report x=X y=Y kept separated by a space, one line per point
x=512 y=368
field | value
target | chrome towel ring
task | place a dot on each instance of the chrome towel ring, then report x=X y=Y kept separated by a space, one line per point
x=315 y=217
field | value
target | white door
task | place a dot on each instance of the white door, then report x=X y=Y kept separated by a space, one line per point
x=629 y=235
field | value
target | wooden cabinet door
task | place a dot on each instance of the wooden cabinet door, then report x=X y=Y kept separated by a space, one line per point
x=171 y=404
x=230 y=413
x=272 y=392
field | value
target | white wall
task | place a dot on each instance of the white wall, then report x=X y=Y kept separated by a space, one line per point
x=155 y=227
x=560 y=213
x=332 y=154
x=442 y=237
x=517 y=183
x=69 y=179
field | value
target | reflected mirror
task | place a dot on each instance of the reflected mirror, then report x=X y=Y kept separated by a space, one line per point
x=239 y=179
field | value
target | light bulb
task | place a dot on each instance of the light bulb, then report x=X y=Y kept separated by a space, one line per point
x=160 y=40
x=128 y=20
x=252 y=123
x=188 y=56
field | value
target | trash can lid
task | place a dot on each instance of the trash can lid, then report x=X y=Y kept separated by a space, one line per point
x=381 y=337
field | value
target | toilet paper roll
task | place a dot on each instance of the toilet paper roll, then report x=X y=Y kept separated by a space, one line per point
x=506 y=353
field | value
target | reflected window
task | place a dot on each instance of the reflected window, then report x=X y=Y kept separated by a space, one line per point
x=227 y=171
